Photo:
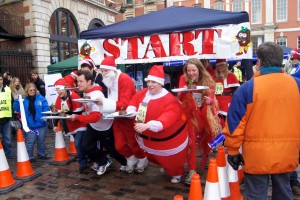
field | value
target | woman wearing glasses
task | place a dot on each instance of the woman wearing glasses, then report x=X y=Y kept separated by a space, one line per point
x=34 y=105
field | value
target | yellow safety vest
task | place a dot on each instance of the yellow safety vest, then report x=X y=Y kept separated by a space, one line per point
x=5 y=103
x=238 y=73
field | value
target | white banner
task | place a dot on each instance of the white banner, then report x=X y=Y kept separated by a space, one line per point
x=228 y=41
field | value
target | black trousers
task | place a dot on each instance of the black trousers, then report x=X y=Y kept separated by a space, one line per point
x=106 y=138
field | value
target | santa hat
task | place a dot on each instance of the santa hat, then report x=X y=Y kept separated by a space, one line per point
x=221 y=62
x=108 y=63
x=60 y=84
x=74 y=73
x=295 y=54
x=156 y=74
x=88 y=62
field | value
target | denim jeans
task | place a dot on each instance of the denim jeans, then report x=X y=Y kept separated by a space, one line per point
x=5 y=130
x=256 y=186
x=81 y=154
x=31 y=138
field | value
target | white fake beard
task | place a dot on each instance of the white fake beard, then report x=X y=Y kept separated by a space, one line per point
x=109 y=79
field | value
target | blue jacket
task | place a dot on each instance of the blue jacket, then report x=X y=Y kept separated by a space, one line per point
x=41 y=105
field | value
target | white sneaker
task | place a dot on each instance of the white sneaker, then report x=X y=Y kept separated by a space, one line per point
x=122 y=168
x=176 y=179
x=95 y=166
x=141 y=165
x=189 y=177
x=131 y=162
x=102 y=169
x=129 y=169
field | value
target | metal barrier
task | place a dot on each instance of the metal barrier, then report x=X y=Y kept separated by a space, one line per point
x=18 y=63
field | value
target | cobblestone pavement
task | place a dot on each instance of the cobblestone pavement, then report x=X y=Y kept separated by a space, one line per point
x=65 y=182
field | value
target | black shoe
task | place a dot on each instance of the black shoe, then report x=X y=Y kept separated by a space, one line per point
x=82 y=169
x=43 y=157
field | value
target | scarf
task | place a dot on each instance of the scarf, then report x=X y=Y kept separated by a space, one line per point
x=31 y=106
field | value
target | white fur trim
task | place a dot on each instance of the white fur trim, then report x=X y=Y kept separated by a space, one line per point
x=155 y=126
x=156 y=79
x=109 y=105
x=108 y=67
x=60 y=87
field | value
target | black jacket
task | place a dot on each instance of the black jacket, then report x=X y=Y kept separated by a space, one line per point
x=98 y=79
x=40 y=85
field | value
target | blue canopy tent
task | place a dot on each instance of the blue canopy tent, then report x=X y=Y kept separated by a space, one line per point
x=167 y=20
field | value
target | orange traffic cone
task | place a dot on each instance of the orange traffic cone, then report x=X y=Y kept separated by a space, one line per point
x=212 y=189
x=72 y=148
x=61 y=156
x=235 y=193
x=195 y=188
x=7 y=182
x=222 y=174
x=178 y=197
x=24 y=170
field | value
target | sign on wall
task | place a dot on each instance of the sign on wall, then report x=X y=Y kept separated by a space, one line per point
x=226 y=41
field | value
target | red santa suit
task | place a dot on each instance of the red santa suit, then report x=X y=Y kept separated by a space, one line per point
x=225 y=97
x=166 y=145
x=68 y=105
x=118 y=98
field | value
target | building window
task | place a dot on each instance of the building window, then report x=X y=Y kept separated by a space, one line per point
x=298 y=9
x=281 y=10
x=256 y=11
x=298 y=42
x=281 y=41
x=95 y=23
x=128 y=1
x=219 y=5
x=237 y=5
x=63 y=29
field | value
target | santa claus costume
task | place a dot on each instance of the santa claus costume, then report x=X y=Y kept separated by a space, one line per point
x=120 y=91
x=64 y=103
x=226 y=84
x=161 y=125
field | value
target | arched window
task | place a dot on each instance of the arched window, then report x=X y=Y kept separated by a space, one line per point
x=63 y=29
x=219 y=5
x=237 y=5
x=95 y=23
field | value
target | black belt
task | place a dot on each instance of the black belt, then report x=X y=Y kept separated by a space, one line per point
x=162 y=139
x=225 y=94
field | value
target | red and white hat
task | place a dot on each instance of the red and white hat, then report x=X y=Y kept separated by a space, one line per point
x=108 y=63
x=74 y=73
x=60 y=84
x=221 y=61
x=90 y=62
x=156 y=74
x=295 y=54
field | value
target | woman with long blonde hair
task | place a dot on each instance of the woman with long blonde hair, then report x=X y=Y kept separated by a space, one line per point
x=201 y=108
x=16 y=88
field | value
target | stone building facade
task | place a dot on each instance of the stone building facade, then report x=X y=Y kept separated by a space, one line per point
x=37 y=23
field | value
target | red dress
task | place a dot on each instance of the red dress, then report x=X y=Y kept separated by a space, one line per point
x=203 y=122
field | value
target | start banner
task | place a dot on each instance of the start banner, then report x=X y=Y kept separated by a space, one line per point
x=226 y=41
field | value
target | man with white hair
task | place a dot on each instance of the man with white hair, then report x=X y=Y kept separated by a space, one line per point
x=119 y=93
